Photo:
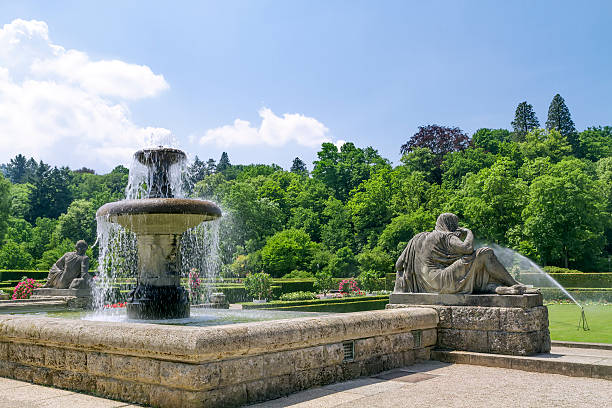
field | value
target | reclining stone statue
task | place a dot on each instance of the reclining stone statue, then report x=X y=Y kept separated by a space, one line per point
x=71 y=271
x=444 y=261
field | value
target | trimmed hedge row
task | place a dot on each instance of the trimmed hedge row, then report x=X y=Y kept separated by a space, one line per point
x=567 y=280
x=583 y=280
x=338 y=307
x=277 y=303
x=581 y=295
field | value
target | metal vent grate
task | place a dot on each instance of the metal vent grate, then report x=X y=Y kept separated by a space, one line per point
x=417 y=334
x=349 y=350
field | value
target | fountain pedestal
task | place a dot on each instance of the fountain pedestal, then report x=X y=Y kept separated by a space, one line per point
x=159 y=294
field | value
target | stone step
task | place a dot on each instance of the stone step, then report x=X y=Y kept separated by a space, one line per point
x=570 y=361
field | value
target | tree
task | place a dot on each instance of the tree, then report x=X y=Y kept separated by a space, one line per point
x=595 y=143
x=17 y=169
x=299 y=167
x=224 y=163
x=306 y=219
x=491 y=139
x=14 y=256
x=440 y=140
x=458 y=164
x=343 y=170
x=564 y=216
x=286 y=251
x=197 y=170
x=42 y=237
x=421 y=159
x=85 y=170
x=402 y=228
x=369 y=207
x=559 y=118
x=51 y=195
x=525 y=120
x=79 y=222
x=5 y=205
x=211 y=166
x=491 y=201
x=337 y=230
x=376 y=260
x=343 y=263
x=545 y=143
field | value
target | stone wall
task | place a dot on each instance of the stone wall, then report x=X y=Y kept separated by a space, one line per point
x=173 y=366
x=520 y=330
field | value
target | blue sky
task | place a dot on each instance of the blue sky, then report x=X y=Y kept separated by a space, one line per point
x=366 y=72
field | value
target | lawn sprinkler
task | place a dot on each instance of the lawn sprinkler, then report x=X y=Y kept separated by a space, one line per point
x=583 y=324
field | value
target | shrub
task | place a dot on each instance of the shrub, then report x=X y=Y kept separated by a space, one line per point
x=324 y=281
x=349 y=287
x=557 y=269
x=258 y=285
x=295 y=274
x=370 y=281
x=298 y=296
x=25 y=288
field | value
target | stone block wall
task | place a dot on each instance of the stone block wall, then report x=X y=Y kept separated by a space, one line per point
x=169 y=366
x=498 y=330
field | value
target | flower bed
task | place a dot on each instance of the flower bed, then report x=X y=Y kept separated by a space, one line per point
x=25 y=288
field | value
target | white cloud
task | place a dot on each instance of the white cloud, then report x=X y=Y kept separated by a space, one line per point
x=273 y=131
x=59 y=105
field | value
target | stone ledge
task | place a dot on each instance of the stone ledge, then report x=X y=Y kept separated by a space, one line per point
x=200 y=344
x=486 y=300
x=47 y=292
x=543 y=363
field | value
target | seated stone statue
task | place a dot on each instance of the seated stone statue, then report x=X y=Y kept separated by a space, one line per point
x=71 y=270
x=444 y=261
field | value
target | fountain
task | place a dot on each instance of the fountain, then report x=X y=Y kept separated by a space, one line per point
x=158 y=219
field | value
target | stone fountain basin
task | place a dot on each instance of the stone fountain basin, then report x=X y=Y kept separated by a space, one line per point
x=153 y=216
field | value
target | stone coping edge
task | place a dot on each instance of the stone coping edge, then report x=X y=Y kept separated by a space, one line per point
x=577 y=344
x=200 y=344
x=483 y=300
x=524 y=363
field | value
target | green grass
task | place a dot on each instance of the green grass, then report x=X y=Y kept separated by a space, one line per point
x=564 y=318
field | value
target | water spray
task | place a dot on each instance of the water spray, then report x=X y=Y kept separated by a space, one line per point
x=510 y=257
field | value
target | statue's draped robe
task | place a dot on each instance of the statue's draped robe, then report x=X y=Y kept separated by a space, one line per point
x=431 y=264
x=67 y=268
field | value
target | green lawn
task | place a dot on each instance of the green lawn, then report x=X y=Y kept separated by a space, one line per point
x=564 y=318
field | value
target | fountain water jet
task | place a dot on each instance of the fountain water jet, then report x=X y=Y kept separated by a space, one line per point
x=158 y=220
x=532 y=274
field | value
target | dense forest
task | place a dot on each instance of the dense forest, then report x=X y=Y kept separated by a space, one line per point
x=544 y=191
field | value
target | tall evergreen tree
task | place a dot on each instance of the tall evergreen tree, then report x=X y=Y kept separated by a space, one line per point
x=299 y=167
x=16 y=169
x=524 y=121
x=211 y=166
x=559 y=118
x=224 y=163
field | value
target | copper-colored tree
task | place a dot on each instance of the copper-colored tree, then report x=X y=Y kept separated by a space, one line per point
x=439 y=139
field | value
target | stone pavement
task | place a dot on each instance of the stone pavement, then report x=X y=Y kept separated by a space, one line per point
x=427 y=384
x=436 y=384
x=572 y=361
x=19 y=394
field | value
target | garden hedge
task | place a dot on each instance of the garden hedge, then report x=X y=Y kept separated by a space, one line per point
x=278 y=303
x=580 y=294
x=583 y=280
x=353 y=305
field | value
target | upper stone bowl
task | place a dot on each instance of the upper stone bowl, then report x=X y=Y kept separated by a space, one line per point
x=159 y=216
